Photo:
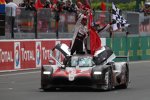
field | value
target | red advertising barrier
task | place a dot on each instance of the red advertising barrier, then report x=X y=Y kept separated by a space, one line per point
x=24 y=54
x=6 y=55
x=28 y=54
x=45 y=50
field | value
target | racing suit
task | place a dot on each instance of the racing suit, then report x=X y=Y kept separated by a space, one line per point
x=81 y=32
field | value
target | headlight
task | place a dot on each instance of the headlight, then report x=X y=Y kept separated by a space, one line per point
x=97 y=73
x=47 y=72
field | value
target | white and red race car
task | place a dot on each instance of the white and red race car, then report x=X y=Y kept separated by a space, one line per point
x=99 y=71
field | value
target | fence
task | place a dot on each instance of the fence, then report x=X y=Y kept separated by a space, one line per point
x=42 y=24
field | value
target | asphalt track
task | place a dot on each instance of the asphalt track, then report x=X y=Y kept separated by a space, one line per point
x=25 y=86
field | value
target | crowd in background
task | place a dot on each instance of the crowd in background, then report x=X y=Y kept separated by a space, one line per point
x=46 y=19
x=58 y=6
x=52 y=4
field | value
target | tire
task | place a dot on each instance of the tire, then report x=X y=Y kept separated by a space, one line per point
x=45 y=78
x=108 y=78
x=46 y=86
x=46 y=89
x=43 y=86
x=125 y=84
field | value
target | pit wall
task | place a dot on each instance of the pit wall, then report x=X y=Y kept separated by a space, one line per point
x=137 y=48
x=32 y=53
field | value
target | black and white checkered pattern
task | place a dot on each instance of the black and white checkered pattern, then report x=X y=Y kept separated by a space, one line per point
x=117 y=18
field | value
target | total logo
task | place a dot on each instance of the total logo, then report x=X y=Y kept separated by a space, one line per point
x=38 y=54
x=17 y=55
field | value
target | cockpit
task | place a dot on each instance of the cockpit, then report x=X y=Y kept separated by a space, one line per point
x=83 y=61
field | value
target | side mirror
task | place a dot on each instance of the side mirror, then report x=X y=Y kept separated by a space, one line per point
x=51 y=62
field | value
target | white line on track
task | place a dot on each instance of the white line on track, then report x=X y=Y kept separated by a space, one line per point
x=20 y=73
x=136 y=62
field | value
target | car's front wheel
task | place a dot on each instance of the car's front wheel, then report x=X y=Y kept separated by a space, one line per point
x=46 y=88
x=108 y=80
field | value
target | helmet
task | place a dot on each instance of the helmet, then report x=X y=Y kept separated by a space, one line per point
x=84 y=20
x=84 y=17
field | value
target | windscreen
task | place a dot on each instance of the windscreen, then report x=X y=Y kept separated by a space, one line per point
x=81 y=61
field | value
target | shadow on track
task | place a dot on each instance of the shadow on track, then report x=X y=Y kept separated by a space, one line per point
x=77 y=90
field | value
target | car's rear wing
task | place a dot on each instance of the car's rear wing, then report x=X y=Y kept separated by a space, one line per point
x=123 y=57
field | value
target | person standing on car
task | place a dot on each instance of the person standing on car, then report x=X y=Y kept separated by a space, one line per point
x=81 y=33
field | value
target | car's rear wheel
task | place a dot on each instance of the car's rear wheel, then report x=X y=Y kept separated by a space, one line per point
x=125 y=85
x=126 y=79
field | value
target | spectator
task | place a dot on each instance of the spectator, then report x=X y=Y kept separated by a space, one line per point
x=30 y=6
x=58 y=7
x=70 y=7
x=47 y=4
x=24 y=3
x=11 y=15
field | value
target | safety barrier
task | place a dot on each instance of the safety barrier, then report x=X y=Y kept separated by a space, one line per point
x=24 y=54
x=137 y=48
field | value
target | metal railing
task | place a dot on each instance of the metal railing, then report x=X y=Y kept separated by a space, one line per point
x=42 y=24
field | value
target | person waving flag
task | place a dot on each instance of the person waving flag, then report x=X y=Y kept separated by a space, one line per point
x=118 y=20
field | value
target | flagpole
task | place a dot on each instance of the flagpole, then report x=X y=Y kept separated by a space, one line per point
x=110 y=33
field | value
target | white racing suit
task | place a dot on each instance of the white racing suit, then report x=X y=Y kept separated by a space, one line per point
x=81 y=32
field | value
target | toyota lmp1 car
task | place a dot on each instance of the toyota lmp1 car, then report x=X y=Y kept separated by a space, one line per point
x=99 y=71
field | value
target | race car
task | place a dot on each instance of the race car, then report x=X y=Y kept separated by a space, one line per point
x=100 y=71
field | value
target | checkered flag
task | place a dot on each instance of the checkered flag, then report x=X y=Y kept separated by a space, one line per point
x=117 y=18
